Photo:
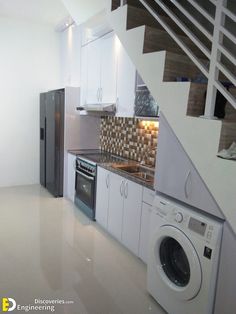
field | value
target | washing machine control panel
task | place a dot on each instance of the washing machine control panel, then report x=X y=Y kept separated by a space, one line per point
x=189 y=221
x=179 y=217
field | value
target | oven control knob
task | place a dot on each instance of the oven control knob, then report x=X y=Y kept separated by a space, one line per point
x=179 y=217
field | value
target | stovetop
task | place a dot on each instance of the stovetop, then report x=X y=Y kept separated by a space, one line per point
x=100 y=157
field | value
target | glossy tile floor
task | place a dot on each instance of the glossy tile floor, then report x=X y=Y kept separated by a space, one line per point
x=50 y=250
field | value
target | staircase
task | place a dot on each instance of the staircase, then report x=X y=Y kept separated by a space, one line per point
x=162 y=51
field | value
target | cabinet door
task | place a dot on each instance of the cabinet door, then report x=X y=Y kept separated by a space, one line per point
x=176 y=175
x=102 y=197
x=126 y=73
x=109 y=56
x=132 y=216
x=144 y=231
x=116 y=200
x=71 y=177
x=83 y=75
x=94 y=72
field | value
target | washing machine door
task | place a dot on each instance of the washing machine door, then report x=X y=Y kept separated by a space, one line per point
x=177 y=262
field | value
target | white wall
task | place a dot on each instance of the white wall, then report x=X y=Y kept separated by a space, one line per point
x=29 y=64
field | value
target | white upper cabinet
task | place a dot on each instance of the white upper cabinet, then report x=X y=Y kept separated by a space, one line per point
x=109 y=55
x=83 y=75
x=108 y=75
x=94 y=72
x=126 y=75
x=100 y=60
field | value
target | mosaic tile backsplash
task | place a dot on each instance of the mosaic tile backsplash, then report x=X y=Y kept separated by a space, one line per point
x=130 y=137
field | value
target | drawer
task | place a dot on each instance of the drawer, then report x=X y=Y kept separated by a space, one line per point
x=148 y=195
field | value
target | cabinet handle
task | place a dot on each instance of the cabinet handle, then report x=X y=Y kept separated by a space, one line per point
x=107 y=181
x=98 y=93
x=126 y=189
x=185 y=185
x=101 y=94
x=117 y=104
x=122 y=188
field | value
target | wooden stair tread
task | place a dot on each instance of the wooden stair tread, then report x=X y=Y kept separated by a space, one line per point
x=158 y=40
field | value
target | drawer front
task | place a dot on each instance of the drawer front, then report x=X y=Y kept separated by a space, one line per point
x=148 y=196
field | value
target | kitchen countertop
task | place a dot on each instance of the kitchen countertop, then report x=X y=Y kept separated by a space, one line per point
x=129 y=176
x=108 y=166
x=77 y=152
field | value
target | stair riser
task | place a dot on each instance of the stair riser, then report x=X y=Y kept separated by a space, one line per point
x=179 y=66
x=196 y=101
x=157 y=40
x=228 y=135
x=139 y=16
x=115 y=4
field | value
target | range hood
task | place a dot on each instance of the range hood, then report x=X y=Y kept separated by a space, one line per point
x=102 y=109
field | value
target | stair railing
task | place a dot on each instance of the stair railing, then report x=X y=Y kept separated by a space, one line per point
x=214 y=65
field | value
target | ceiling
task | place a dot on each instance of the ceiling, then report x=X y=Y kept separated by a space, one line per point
x=82 y=10
x=40 y=11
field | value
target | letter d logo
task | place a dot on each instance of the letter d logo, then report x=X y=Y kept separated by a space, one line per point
x=6 y=304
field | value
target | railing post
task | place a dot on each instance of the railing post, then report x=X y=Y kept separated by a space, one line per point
x=215 y=56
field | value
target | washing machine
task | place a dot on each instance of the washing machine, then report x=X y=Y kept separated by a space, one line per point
x=183 y=258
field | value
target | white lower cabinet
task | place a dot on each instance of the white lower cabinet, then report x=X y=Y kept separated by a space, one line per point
x=116 y=203
x=144 y=232
x=118 y=208
x=71 y=177
x=148 y=197
x=131 y=215
x=102 y=196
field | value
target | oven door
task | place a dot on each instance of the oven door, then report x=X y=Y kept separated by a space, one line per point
x=85 y=192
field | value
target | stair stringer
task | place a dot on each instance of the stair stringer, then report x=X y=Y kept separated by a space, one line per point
x=199 y=137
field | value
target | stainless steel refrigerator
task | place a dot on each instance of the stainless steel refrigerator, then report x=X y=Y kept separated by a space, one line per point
x=52 y=109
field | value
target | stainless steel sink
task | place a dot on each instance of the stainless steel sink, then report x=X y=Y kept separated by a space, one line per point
x=144 y=176
x=137 y=170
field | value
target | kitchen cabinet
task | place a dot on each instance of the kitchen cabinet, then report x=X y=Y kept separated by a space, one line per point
x=116 y=203
x=100 y=56
x=148 y=197
x=118 y=208
x=132 y=194
x=102 y=196
x=126 y=76
x=71 y=177
x=108 y=75
x=176 y=175
x=83 y=75
x=94 y=72
x=144 y=232
x=226 y=283
x=109 y=57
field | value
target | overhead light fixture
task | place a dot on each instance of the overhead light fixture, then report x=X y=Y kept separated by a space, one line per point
x=64 y=24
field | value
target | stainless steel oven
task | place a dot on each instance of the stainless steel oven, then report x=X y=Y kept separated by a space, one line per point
x=85 y=186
